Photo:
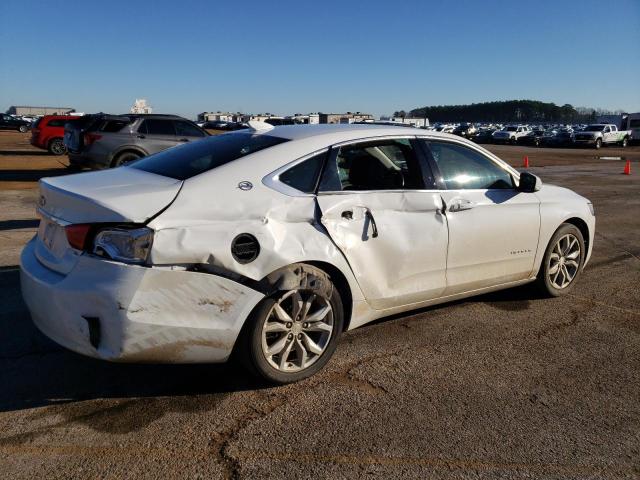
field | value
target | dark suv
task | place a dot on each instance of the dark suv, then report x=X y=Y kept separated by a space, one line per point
x=104 y=141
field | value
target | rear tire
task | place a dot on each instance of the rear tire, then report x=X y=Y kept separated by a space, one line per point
x=513 y=141
x=279 y=346
x=56 y=147
x=124 y=158
x=625 y=142
x=562 y=262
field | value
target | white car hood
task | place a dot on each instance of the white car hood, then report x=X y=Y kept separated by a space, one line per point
x=118 y=195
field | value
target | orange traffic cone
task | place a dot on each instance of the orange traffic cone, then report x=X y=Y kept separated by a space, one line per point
x=627 y=168
x=526 y=162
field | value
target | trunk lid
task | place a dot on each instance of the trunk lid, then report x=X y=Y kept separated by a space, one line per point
x=122 y=194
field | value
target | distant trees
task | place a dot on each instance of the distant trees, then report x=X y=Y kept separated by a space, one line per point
x=524 y=111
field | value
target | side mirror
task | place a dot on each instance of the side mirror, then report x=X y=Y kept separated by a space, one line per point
x=529 y=183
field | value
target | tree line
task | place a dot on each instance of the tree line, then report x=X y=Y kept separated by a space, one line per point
x=524 y=111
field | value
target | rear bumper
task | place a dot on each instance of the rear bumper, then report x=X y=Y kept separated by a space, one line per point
x=118 y=312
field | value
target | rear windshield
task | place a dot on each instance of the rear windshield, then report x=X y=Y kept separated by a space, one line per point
x=195 y=158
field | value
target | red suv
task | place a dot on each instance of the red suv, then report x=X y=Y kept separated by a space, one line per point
x=47 y=133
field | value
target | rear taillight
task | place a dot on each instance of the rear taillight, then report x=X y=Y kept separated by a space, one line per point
x=89 y=138
x=77 y=235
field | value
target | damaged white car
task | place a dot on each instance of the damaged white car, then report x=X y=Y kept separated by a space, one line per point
x=268 y=243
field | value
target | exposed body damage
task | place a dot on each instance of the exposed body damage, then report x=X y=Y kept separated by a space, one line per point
x=146 y=314
x=189 y=296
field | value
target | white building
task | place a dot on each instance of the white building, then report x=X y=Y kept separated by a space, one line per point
x=221 y=116
x=416 y=122
x=140 y=106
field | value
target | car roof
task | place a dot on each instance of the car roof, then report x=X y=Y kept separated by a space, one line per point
x=333 y=133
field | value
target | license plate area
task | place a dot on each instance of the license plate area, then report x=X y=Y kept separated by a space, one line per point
x=53 y=237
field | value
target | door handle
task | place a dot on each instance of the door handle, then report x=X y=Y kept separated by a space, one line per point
x=183 y=140
x=374 y=227
x=461 y=204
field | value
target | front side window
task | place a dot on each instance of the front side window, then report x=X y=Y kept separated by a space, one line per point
x=194 y=158
x=376 y=165
x=464 y=168
x=185 y=129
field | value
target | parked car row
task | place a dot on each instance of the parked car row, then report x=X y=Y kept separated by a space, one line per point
x=596 y=135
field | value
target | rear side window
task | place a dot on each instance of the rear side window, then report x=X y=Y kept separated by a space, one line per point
x=376 y=165
x=112 y=126
x=57 y=122
x=186 y=129
x=304 y=175
x=157 y=127
x=194 y=158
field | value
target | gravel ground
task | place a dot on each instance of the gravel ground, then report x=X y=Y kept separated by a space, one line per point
x=505 y=385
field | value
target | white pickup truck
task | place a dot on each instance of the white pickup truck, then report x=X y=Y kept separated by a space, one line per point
x=510 y=134
x=601 y=134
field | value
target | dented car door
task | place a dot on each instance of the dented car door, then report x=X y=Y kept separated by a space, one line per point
x=381 y=211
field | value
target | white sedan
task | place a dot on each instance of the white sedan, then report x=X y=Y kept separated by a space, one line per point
x=268 y=243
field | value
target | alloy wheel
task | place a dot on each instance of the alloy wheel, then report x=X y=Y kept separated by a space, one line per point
x=57 y=147
x=564 y=261
x=297 y=330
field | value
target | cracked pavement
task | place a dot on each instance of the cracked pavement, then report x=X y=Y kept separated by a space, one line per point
x=505 y=385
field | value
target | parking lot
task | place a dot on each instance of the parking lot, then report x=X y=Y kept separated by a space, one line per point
x=505 y=385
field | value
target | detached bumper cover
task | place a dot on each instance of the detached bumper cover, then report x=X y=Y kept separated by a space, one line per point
x=144 y=314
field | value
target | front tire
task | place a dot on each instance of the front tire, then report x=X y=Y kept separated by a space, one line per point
x=23 y=129
x=598 y=143
x=625 y=142
x=292 y=334
x=562 y=262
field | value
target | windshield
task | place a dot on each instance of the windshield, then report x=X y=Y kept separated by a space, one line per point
x=192 y=159
x=594 y=128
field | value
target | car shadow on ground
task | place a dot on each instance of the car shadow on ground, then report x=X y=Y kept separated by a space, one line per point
x=28 y=175
x=34 y=371
x=19 y=224
x=22 y=153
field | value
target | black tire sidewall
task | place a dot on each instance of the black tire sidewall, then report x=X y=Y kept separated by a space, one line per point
x=124 y=158
x=54 y=142
x=23 y=129
x=543 y=278
x=251 y=350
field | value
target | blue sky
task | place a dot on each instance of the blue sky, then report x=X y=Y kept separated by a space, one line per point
x=305 y=56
